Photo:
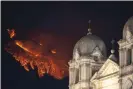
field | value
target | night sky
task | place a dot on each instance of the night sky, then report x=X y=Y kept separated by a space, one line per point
x=67 y=19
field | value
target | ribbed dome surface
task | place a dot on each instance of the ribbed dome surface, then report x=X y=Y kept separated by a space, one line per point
x=128 y=26
x=87 y=44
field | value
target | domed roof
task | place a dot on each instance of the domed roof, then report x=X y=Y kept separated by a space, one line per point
x=89 y=45
x=128 y=27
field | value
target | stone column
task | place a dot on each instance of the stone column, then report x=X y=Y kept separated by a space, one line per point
x=121 y=56
x=125 y=56
x=89 y=67
x=89 y=72
x=79 y=73
x=71 y=76
x=82 y=72
x=120 y=83
x=85 y=73
x=132 y=54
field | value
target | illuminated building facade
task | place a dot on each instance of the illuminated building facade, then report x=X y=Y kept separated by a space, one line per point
x=90 y=68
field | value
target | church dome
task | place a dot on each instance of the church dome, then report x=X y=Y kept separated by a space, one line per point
x=89 y=45
x=128 y=27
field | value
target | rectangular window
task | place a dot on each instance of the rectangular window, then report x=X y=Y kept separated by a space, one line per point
x=129 y=57
x=77 y=76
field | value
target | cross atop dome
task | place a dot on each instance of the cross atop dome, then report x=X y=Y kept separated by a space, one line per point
x=89 y=29
x=112 y=56
x=112 y=50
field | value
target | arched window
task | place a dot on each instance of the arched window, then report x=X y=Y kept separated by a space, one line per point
x=129 y=57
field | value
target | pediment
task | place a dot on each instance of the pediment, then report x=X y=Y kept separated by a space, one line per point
x=108 y=68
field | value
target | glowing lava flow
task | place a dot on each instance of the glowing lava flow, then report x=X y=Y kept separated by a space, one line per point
x=31 y=54
x=21 y=45
x=11 y=33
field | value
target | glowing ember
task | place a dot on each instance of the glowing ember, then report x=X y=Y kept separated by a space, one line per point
x=32 y=55
x=11 y=33
x=53 y=51
x=41 y=44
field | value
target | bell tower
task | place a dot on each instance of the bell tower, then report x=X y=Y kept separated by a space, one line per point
x=126 y=56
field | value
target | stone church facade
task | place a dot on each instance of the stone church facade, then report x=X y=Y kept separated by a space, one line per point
x=90 y=68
